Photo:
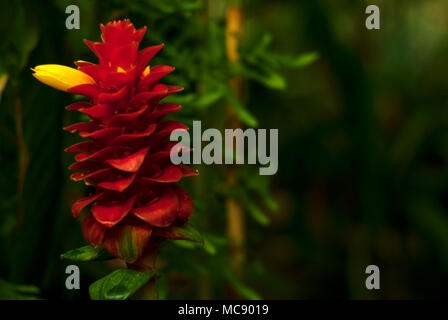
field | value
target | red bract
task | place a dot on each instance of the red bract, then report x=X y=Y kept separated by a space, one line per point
x=127 y=156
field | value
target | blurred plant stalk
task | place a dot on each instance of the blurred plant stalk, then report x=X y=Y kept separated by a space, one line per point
x=234 y=210
x=23 y=159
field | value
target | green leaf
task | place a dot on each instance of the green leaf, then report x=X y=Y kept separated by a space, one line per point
x=191 y=233
x=119 y=285
x=260 y=184
x=300 y=61
x=12 y=291
x=209 y=98
x=209 y=247
x=263 y=44
x=162 y=6
x=257 y=213
x=182 y=98
x=185 y=232
x=273 y=80
x=242 y=112
x=241 y=288
x=185 y=244
x=29 y=41
x=87 y=253
x=264 y=75
x=192 y=5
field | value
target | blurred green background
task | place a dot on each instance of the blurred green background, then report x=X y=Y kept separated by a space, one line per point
x=363 y=146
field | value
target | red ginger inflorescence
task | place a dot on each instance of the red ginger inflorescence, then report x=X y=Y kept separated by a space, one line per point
x=127 y=156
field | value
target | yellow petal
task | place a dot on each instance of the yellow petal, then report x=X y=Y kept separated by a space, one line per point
x=61 y=77
x=121 y=70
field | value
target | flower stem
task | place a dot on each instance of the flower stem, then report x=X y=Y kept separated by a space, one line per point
x=146 y=263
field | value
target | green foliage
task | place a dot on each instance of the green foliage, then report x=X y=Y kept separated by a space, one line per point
x=121 y=284
x=187 y=232
x=87 y=253
x=244 y=291
x=11 y=291
x=20 y=33
x=245 y=116
x=264 y=66
x=299 y=61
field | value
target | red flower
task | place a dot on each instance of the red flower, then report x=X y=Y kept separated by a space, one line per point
x=126 y=158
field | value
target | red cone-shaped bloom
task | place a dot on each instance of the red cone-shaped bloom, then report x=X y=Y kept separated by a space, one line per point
x=126 y=158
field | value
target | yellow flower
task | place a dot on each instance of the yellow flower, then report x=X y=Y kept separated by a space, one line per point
x=60 y=77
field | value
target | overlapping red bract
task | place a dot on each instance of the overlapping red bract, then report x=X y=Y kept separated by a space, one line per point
x=127 y=156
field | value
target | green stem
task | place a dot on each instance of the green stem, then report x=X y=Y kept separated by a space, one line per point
x=146 y=263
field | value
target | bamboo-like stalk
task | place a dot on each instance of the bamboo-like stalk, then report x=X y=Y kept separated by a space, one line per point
x=234 y=210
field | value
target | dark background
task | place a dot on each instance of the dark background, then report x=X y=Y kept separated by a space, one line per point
x=363 y=147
